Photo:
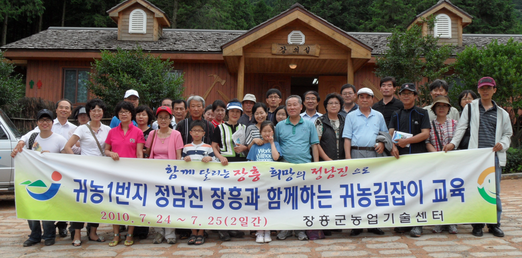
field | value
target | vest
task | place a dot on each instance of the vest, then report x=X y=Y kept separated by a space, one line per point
x=329 y=141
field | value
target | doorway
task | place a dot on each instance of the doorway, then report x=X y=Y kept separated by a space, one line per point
x=300 y=85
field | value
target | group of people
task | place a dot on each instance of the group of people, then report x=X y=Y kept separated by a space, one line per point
x=353 y=127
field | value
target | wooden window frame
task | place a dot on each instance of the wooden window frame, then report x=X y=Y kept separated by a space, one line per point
x=144 y=24
x=76 y=86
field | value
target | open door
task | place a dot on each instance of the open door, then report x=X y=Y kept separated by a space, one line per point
x=327 y=85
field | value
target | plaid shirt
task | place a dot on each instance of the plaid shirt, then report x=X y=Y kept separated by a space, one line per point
x=444 y=131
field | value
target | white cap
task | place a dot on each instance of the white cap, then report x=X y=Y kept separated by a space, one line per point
x=129 y=93
x=365 y=90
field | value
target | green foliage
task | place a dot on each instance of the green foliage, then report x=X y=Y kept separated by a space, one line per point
x=412 y=57
x=491 y=16
x=514 y=161
x=262 y=12
x=12 y=87
x=117 y=72
x=348 y=15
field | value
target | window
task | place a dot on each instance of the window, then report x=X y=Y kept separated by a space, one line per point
x=296 y=37
x=442 y=26
x=138 y=22
x=3 y=135
x=75 y=85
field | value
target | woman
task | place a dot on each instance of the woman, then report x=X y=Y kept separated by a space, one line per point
x=219 y=110
x=208 y=114
x=144 y=119
x=466 y=97
x=81 y=116
x=330 y=129
x=91 y=137
x=164 y=143
x=252 y=134
x=441 y=133
x=280 y=114
x=126 y=141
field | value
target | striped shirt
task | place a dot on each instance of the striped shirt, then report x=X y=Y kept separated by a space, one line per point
x=487 y=126
x=252 y=132
x=445 y=133
x=197 y=152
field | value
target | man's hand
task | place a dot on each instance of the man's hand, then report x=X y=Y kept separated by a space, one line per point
x=402 y=143
x=206 y=159
x=187 y=158
x=497 y=147
x=19 y=147
x=379 y=148
x=395 y=152
x=450 y=147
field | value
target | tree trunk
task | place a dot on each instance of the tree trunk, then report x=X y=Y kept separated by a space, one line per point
x=174 y=15
x=63 y=13
x=4 y=31
x=40 y=23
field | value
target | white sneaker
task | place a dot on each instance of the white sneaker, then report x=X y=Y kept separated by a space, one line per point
x=268 y=239
x=260 y=238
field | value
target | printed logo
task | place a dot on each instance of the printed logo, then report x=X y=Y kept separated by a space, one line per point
x=39 y=184
x=486 y=186
x=132 y=140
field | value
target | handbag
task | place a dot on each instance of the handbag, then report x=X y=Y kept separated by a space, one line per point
x=96 y=139
x=465 y=139
x=146 y=154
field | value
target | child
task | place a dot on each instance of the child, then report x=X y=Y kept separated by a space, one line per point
x=197 y=151
x=269 y=151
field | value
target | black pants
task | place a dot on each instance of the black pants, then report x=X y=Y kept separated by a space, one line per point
x=79 y=225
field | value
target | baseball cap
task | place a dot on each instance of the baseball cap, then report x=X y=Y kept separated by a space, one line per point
x=234 y=105
x=131 y=92
x=486 y=81
x=365 y=90
x=44 y=112
x=164 y=108
x=408 y=86
x=249 y=97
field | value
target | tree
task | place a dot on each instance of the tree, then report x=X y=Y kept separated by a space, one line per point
x=491 y=16
x=14 y=9
x=262 y=12
x=119 y=71
x=11 y=86
x=412 y=57
x=502 y=62
x=348 y=15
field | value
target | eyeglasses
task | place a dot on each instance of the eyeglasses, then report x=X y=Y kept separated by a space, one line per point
x=45 y=120
x=311 y=99
x=124 y=112
x=348 y=94
x=406 y=93
x=273 y=97
x=163 y=118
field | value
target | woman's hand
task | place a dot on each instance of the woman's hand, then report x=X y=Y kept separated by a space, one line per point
x=258 y=141
x=240 y=148
x=224 y=161
x=114 y=156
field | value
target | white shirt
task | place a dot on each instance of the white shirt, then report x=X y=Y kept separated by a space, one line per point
x=88 y=144
x=52 y=144
x=172 y=122
x=58 y=128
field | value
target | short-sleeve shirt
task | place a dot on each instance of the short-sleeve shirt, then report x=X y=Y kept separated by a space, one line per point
x=411 y=121
x=388 y=109
x=88 y=143
x=442 y=132
x=252 y=132
x=263 y=152
x=362 y=130
x=312 y=119
x=53 y=144
x=125 y=144
x=296 y=140
x=197 y=152
x=116 y=121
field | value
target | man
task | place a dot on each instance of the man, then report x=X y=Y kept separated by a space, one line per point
x=360 y=139
x=44 y=140
x=196 y=106
x=273 y=99
x=133 y=97
x=248 y=103
x=311 y=101
x=179 y=110
x=167 y=103
x=388 y=104
x=61 y=126
x=348 y=93
x=296 y=136
x=413 y=120
x=490 y=127
x=440 y=88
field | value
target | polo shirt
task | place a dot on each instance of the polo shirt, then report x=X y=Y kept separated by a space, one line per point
x=116 y=121
x=88 y=144
x=453 y=114
x=363 y=130
x=344 y=113
x=125 y=144
x=411 y=121
x=312 y=119
x=296 y=140
x=388 y=109
x=244 y=119
x=487 y=126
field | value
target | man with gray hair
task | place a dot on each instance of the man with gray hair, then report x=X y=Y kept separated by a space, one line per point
x=296 y=136
x=196 y=106
x=440 y=88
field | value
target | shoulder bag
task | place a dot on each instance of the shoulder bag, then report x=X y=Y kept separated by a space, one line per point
x=96 y=139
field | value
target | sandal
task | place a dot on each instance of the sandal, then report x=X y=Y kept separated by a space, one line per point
x=200 y=240
x=100 y=239
x=191 y=240
x=77 y=243
x=129 y=242
x=115 y=242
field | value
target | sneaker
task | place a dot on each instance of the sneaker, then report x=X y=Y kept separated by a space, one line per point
x=452 y=229
x=171 y=240
x=301 y=235
x=268 y=238
x=260 y=237
x=224 y=235
x=29 y=243
x=416 y=232
x=158 y=238
x=284 y=234
x=437 y=229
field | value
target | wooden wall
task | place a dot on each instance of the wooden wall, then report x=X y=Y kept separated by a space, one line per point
x=123 y=25
x=455 y=35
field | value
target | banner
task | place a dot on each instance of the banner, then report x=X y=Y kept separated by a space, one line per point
x=421 y=189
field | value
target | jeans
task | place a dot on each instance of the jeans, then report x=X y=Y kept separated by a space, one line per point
x=49 y=230
x=498 y=177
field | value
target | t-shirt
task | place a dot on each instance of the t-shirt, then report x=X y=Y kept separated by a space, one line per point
x=252 y=132
x=88 y=144
x=411 y=121
x=53 y=144
x=388 y=109
x=262 y=152
x=161 y=147
x=125 y=144
x=197 y=152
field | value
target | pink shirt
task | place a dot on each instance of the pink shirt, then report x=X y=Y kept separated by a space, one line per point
x=161 y=148
x=125 y=144
x=171 y=144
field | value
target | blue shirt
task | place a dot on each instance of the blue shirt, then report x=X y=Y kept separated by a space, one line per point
x=115 y=122
x=263 y=152
x=296 y=140
x=312 y=119
x=363 y=130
